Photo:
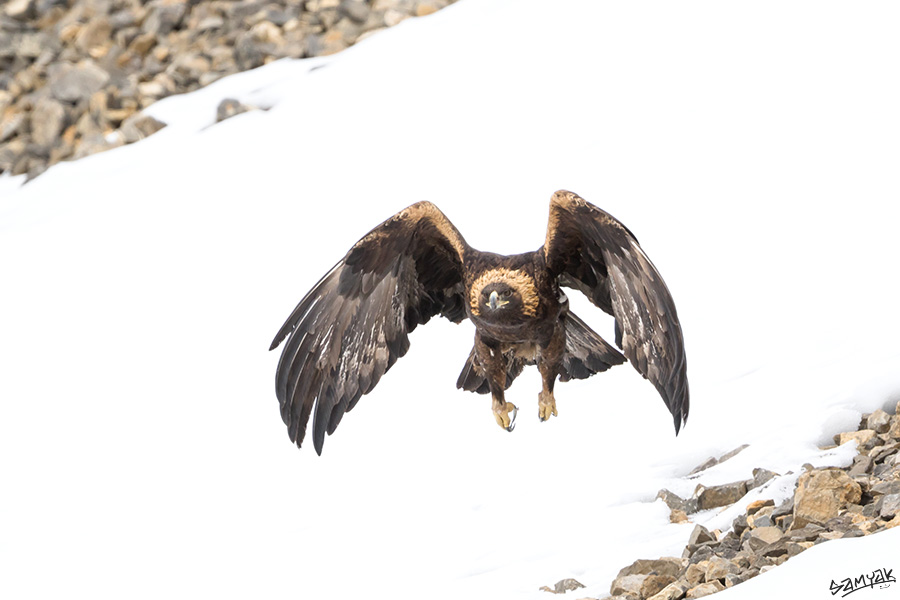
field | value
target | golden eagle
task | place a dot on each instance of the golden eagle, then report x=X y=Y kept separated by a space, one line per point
x=355 y=322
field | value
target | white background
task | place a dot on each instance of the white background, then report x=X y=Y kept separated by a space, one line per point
x=751 y=148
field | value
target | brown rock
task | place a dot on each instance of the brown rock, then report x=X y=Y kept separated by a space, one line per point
x=10 y=124
x=704 y=589
x=810 y=532
x=821 y=494
x=93 y=35
x=654 y=584
x=890 y=506
x=47 y=121
x=676 y=502
x=164 y=16
x=868 y=527
x=70 y=83
x=6 y=100
x=718 y=567
x=700 y=535
x=879 y=421
x=760 y=476
x=673 y=591
x=762 y=518
x=10 y=153
x=756 y=505
x=709 y=462
x=696 y=573
x=24 y=164
x=881 y=453
x=394 y=17
x=882 y=488
x=862 y=437
x=762 y=536
x=161 y=53
x=862 y=464
x=721 y=495
x=628 y=585
x=355 y=10
x=139 y=126
x=678 y=516
x=66 y=146
x=661 y=566
x=118 y=115
x=563 y=586
x=426 y=8
x=142 y=44
x=894 y=431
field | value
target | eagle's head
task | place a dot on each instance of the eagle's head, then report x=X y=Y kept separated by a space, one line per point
x=500 y=296
x=503 y=294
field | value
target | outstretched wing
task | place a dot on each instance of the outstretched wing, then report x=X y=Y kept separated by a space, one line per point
x=589 y=250
x=354 y=324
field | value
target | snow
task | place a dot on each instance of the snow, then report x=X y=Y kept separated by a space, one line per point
x=753 y=153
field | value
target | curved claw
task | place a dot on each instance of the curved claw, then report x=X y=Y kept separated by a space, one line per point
x=505 y=413
x=546 y=406
x=512 y=418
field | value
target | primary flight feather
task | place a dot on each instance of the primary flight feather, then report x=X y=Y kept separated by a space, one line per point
x=355 y=322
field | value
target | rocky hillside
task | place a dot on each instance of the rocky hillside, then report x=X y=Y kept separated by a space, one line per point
x=828 y=503
x=75 y=74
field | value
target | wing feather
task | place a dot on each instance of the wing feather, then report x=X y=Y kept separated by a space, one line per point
x=351 y=328
x=589 y=250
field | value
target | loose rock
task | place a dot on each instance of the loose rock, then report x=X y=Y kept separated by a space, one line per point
x=676 y=502
x=861 y=437
x=47 y=122
x=721 y=495
x=228 y=108
x=76 y=83
x=890 y=506
x=699 y=535
x=654 y=584
x=627 y=585
x=669 y=566
x=879 y=421
x=673 y=591
x=563 y=586
x=704 y=589
x=821 y=494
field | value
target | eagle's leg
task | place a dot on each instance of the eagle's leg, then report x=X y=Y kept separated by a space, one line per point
x=494 y=365
x=549 y=361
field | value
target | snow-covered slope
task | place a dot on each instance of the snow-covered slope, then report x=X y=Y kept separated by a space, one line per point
x=751 y=149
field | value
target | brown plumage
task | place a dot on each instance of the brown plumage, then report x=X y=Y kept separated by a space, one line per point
x=354 y=324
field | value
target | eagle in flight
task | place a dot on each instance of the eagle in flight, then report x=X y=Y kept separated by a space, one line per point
x=355 y=322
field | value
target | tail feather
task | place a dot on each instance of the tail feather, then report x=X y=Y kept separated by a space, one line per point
x=586 y=354
x=473 y=380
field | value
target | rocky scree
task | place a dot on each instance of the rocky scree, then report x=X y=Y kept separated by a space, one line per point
x=75 y=74
x=828 y=503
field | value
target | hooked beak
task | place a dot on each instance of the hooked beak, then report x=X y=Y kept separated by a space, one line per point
x=494 y=301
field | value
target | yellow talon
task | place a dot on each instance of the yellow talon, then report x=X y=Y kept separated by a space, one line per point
x=506 y=415
x=546 y=406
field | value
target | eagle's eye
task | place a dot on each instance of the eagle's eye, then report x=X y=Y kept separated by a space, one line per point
x=506 y=293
